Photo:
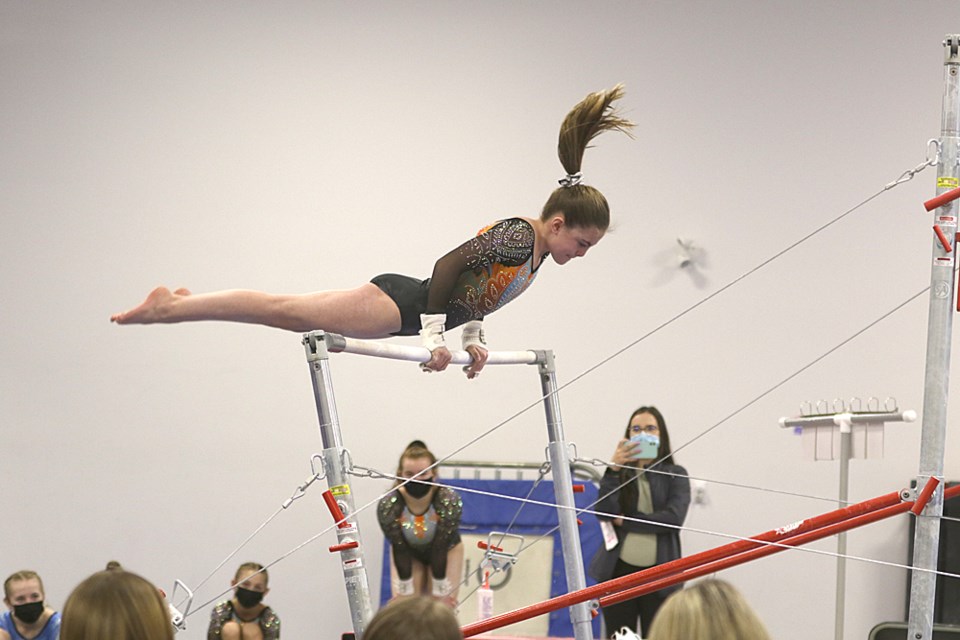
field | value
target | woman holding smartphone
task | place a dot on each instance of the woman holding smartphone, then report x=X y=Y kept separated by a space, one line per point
x=642 y=490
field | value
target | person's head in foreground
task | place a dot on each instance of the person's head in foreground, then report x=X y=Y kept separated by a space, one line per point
x=708 y=610
x=118 y=605
x=414 y=618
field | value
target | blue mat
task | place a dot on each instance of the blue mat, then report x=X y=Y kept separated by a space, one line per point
x=482 y=514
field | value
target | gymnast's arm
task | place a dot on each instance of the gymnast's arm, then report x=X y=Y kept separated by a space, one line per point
x=388 y=513
x=507 y=242
x=220 y=614
x=270 y=624
x=449 y=508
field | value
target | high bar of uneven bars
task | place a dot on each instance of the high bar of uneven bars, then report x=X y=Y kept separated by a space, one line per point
x=337 y=343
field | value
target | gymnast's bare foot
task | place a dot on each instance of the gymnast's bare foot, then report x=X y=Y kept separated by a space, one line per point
x=154 y=309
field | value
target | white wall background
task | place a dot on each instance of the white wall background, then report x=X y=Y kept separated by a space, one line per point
x=294 y=146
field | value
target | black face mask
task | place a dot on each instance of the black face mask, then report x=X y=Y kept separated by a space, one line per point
x=248 y=598
x=418 y=489
x=29 y=612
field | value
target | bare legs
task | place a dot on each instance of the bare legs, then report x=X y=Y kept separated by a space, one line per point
x=423 y=580
x=364 y=312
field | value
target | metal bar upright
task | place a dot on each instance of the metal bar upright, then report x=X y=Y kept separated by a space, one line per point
x=846 y=436
x=351 y=555
x=580 y=613
x=936 y=376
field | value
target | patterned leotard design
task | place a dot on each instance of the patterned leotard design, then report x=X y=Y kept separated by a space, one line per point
x=484 y=273
x=419 y=529
x=268 y=621
x=409 y=538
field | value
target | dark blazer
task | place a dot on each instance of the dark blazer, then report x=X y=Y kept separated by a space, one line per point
x=671 y=499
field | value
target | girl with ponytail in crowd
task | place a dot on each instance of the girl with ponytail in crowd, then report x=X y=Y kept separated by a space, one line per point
x=421 y=520
x=467 y=284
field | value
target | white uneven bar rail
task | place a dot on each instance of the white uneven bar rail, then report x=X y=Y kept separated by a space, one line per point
x=382 y=349
x=318 y=346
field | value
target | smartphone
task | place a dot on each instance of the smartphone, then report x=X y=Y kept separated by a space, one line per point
x=645 y=447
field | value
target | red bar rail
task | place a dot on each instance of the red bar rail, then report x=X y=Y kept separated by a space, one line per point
x=710 y=561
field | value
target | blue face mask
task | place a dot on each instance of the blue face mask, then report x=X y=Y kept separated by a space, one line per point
x=647 y=445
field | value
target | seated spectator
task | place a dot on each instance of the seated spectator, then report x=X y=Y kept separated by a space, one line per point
x=245 y=616
x=28 y=617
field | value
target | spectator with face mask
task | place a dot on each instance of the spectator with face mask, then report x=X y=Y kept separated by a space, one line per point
x=421 y=519
x=245 y=616
x=28 y=618
x=644 y=496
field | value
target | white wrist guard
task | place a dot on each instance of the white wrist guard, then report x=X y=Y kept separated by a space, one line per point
x=403 y=587
x=431 y=330
x=442 y=587
x=472 y=335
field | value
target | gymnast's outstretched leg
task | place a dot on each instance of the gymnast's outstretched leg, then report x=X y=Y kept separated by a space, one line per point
x=364 y=312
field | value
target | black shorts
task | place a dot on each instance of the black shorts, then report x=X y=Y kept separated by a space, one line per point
x=410 y=296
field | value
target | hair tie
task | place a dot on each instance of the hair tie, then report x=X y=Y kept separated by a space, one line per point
x=571 y=180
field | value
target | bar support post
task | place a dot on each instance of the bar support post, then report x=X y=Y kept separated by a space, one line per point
x=334 y=457
x=926 y=544
x=580 y=613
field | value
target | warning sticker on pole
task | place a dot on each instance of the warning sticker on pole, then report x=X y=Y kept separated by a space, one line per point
x=946 y=182
x=340 y=490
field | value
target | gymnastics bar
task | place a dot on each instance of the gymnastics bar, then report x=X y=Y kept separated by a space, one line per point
x=710 y=561
x=923 y=584
x=581 y=615
x=339 y=496
x=382 y=349
x=794 y=539
x=320 y=344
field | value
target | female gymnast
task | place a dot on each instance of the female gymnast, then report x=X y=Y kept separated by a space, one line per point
x=422 y=523
x=473 y=280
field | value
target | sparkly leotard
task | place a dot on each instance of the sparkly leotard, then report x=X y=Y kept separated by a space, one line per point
x=473 y=280
x=268 y=621
x=427 y=537
x=419 y=529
